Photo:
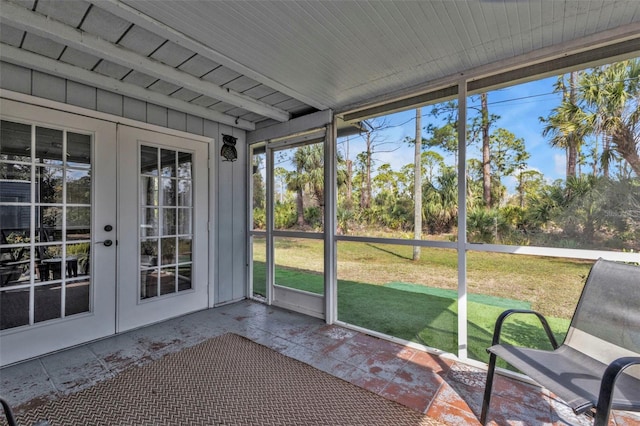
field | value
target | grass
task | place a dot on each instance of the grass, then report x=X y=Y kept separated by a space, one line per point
x=419 y=316
x=381 y=288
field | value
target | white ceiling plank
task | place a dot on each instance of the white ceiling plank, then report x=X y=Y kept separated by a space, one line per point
x=104 y=24
x=79 y=59
x=12 y=36
x=141 y=41
x=37 y=62
x=126 y=12
x=69 y=12
x=24 y=19
x=42 y=45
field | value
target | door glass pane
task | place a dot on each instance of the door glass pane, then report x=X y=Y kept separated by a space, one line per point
x=49 y=220
x=78 y=223
x=169 y=221
x=15 y=141
x=165 y=262
x=184 y=250
x=47 y=302
x=49 y=183
x=149 y=223
x=184 y=277
x=77 y=297
x=149 y=191
x=185 y=163
x=168 y=193
x=184 y=193
x=149 y=160
x=11 y=174
x=168 y=162
x=14 y=308
x=49 y=144
x=78 y=150
x=184 y=221
x=45 y=225
x=168 y=280
x=78 y=187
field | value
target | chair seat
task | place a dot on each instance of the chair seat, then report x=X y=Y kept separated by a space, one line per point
x=571 y=375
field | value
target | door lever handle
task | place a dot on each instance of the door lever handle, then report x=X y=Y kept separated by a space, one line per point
x=107 y=243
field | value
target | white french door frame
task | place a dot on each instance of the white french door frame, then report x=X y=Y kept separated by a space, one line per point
x=132 y=310
x=48 y=335
x=29 y=341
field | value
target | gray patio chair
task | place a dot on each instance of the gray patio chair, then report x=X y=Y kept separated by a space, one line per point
x=587 y=370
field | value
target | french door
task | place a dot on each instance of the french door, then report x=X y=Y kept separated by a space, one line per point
x=163 y=218
x=103 y=228
x=57 y=214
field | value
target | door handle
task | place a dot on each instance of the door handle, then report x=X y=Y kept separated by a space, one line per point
x=107 y=243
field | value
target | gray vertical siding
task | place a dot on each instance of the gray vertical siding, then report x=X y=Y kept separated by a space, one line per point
x=110 y=103
x=48 y=87
x=231 y=211
x=81 y=95
x=230 y=194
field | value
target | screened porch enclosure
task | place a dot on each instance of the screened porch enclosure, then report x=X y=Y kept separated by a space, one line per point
x=335 y=206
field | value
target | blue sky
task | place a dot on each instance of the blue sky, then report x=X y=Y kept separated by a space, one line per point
x=519 y=108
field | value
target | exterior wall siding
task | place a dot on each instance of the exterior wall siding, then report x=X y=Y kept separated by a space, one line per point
x=229 y=195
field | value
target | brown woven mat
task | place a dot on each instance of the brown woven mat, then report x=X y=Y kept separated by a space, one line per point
x=227 y=380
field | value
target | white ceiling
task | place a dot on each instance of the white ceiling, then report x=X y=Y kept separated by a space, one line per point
x=259 y=62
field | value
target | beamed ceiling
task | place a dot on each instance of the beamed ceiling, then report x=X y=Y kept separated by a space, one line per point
x=254 y=63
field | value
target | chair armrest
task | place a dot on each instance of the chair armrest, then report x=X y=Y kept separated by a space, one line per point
x=607 y=384
x=503 y=316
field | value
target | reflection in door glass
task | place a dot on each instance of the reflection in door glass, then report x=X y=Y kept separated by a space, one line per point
x=165 y=230
x=45 y=224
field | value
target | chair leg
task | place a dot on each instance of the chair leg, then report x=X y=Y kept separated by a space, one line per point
x=487 y=389
x=7 y=412
x=602 y=418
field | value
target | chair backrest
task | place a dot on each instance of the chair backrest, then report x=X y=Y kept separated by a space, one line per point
x=606 y=323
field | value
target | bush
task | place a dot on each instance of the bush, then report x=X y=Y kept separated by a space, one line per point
x=285 y=215
x=313 y=216
x=259 y=218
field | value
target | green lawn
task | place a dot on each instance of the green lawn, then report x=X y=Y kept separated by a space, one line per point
x=420 y=314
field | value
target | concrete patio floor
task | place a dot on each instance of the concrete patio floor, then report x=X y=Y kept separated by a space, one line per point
x=441 y=387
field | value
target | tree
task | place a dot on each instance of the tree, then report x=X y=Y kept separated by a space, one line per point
x=308 y=174
x=295 y=182
x=432 y=161
x=529 y=182
x=612 y=94
x=446 y=137
x=258 y=182
x=280 y=180
x=568 y=124
x=417 y=185
x=374 y=141
x=485 y=124
x=509 y=153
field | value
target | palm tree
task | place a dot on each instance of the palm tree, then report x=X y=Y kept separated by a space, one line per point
x=568 y=124
x=309 y=174
x=612 y=93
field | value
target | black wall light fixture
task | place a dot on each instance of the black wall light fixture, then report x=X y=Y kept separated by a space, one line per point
x=228 y=151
